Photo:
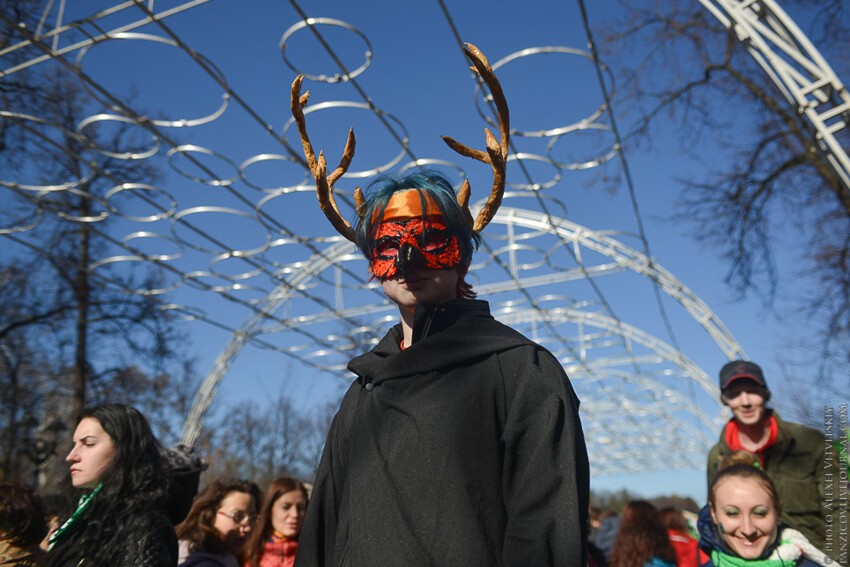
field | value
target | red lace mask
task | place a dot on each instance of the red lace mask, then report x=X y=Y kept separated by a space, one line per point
x=414 y=242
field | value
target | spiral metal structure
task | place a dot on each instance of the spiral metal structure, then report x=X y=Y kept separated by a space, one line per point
x=235 y=239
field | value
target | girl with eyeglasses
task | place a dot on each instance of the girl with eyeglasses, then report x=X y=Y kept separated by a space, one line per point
x=275 y=538
x=218 y=524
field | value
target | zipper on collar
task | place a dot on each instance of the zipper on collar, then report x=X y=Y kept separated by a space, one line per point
x=426 y=329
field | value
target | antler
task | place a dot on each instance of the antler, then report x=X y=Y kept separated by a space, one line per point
x=497 y=152
x=318 y=167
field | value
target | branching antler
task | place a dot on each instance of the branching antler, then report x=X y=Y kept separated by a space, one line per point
x=497 y=152
x=318 y=167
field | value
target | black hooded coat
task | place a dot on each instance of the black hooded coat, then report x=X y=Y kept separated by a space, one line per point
x=463 y=449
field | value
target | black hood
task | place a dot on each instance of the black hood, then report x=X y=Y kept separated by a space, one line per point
x=709 y=539
x=455 y=336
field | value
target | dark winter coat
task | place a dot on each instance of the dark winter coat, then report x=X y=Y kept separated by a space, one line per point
x=709 y=540
x=796 y=465
x=204 y=559
x=463 y=449
x=140 y=539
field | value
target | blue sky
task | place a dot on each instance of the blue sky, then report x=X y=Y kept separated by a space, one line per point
x=418 y=76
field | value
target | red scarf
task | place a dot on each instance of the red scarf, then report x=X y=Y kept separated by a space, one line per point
x=732 y=433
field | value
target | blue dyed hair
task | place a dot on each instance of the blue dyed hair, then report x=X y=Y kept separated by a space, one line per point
x=425 y=181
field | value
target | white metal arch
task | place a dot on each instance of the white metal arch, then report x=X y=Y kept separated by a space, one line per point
x=575 y=356
x=796 y=67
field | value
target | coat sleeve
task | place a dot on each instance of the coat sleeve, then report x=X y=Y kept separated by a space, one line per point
x=545 y=466
x=318 y=534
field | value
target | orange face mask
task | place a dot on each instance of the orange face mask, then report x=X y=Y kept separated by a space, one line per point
x=403 y=244
x=412 y=234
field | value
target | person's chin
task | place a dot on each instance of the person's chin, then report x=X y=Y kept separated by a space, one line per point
x=750 y=550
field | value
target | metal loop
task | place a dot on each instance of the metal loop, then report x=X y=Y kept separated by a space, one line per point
x=95 y=118
x=581 y=165
x=262 y=158
x=551 y=131
x=336 y=77
x=133 y=188
x=178 y=123
x=178 y=217
x=405 y=140
x=535 y=186
x=186 y=149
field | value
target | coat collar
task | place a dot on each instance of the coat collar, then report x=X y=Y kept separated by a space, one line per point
x=444 y=335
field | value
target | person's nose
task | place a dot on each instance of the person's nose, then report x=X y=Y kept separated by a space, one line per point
x=745 y=398
x=409 y=257
x=747 y=526
x=72 y=457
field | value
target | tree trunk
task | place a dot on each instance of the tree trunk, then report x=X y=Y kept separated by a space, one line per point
x=82 y=291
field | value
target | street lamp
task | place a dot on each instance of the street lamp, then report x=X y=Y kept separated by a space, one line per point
x=44 y=445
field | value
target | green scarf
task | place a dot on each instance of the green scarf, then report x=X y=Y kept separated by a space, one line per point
x=69 y=526
x=721 y=559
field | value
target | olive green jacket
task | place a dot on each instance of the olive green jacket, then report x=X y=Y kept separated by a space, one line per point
x=796 y=466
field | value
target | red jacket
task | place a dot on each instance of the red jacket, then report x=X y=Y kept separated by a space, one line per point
x=685 y=547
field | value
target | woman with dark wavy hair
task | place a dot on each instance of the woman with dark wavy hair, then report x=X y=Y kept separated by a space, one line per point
x=642 y=539
x=274 y=540
x=120 y=519
x=218 y=524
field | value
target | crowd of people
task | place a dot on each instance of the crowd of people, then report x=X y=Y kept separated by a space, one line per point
x=126 y=515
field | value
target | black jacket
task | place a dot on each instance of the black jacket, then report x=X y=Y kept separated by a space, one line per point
x=138 y=539
x=463 y=449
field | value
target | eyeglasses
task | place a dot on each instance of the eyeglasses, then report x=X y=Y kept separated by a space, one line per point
x=240 y=518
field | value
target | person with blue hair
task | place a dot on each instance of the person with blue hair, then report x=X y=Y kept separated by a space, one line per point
x=459 y=442
x=447 y=238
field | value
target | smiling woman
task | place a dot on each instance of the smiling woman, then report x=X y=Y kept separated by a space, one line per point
x=740 y=526
x=120 y=519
